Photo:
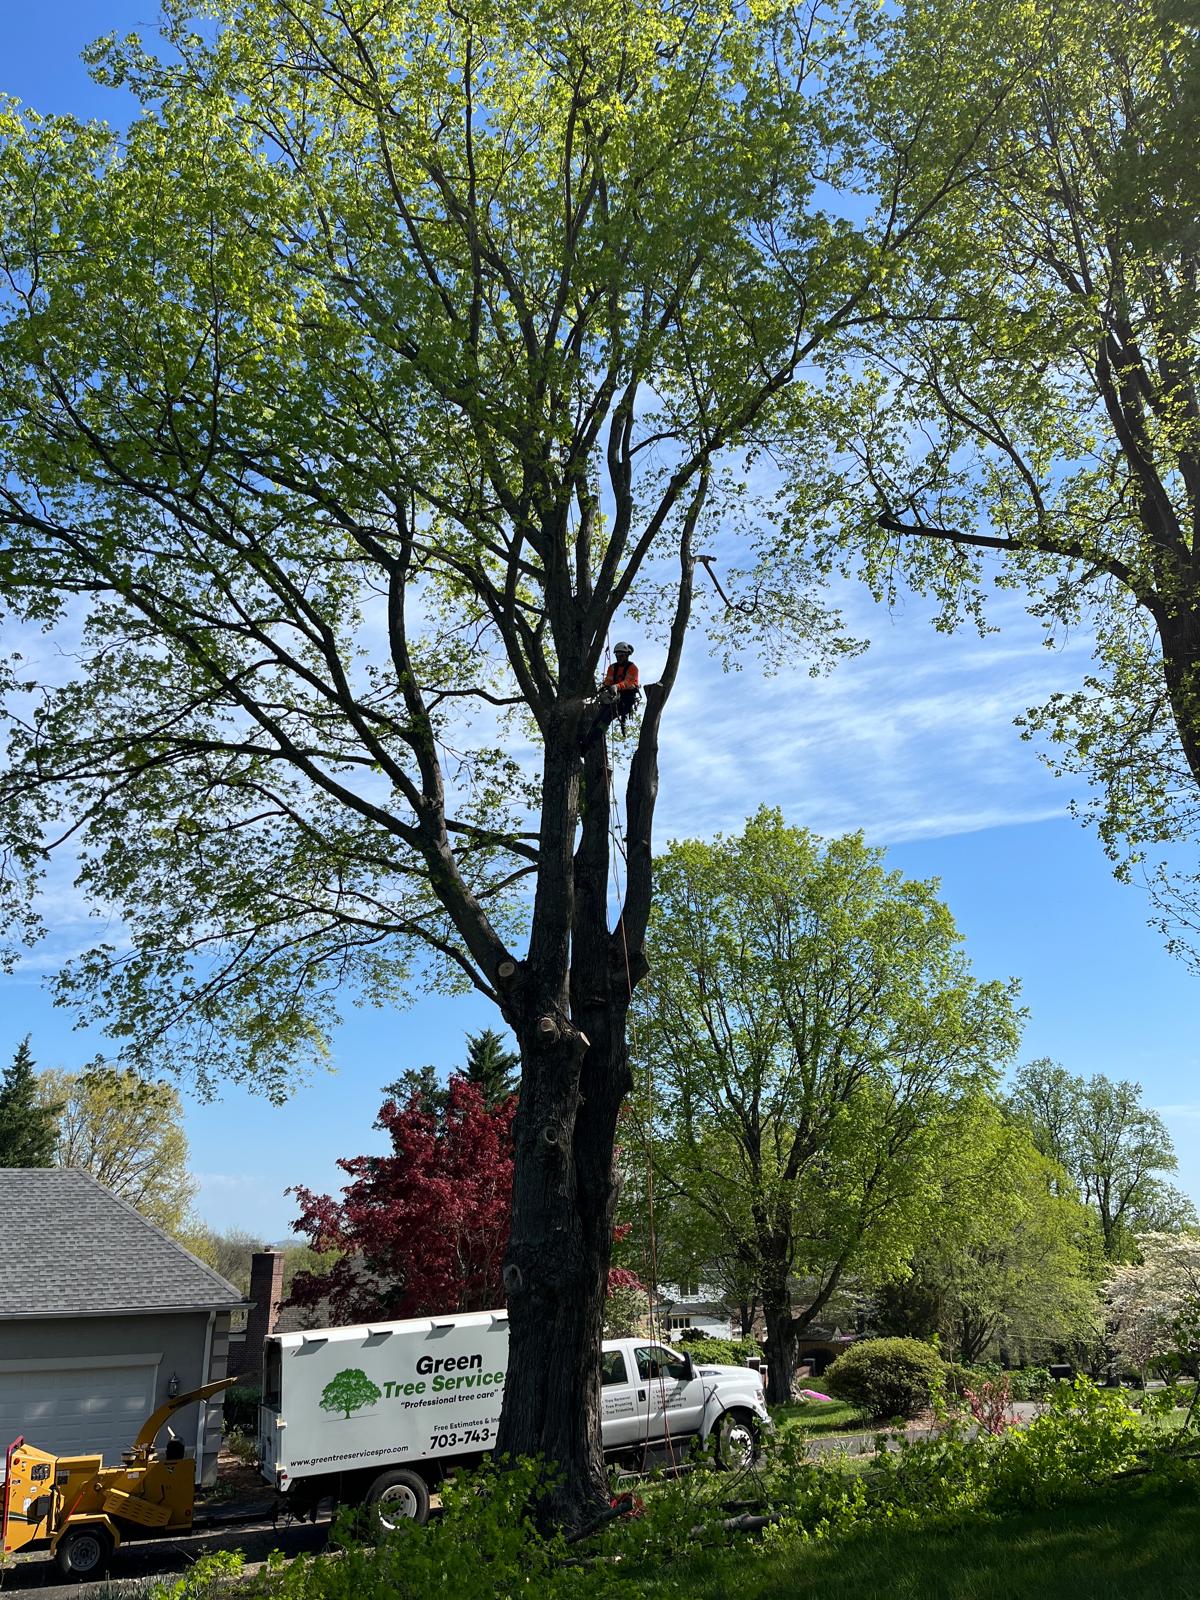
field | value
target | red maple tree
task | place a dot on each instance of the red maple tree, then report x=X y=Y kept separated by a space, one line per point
x=421 y=1231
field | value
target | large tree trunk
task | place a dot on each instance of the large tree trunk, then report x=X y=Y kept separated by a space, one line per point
x=569 y=1008
x=781 y=1340
x=556 y=1270
x=1179 y=635
x=575 y=1076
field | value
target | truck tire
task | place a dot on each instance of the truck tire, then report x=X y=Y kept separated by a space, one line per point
x=399 y=1496
x=83 y=1552
x=738 y=1441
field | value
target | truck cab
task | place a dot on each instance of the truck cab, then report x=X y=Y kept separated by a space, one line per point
x=652 y=1395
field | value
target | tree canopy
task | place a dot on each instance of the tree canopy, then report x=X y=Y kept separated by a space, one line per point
x=1114 y=1148
x=1039 y=399
x=128 y=1133
x=1011 y=1260
x=812 y=1033
x=422 y=1229
x=492 y=1068
x=1154 y=1304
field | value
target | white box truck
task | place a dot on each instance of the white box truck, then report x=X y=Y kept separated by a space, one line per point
x=377 y=1414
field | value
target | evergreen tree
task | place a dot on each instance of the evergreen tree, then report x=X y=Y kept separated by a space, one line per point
x=490 y=1067
x=421 y=1081
x=28 y=1131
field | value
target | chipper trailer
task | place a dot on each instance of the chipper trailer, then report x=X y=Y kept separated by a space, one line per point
x=79 y=1511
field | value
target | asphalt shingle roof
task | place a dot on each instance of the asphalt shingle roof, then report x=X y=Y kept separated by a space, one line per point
x=69 y=1247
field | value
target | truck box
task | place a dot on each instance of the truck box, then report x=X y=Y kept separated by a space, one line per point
x=344 y=1409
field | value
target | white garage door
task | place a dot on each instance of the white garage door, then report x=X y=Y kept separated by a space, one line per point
x=76 y=1409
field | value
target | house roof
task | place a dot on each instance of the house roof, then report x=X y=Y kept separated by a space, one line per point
x=71 y=1248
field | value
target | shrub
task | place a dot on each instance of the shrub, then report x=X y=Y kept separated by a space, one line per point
x=1084 y=1437
x=1031 y=1383
x=242 y=1447
x=991 y=1405
x=886 y=1377
x=240 y=1411
x=722 y=1352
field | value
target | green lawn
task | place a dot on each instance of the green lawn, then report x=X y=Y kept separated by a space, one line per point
x=816 y=1418
x=1116 y=1547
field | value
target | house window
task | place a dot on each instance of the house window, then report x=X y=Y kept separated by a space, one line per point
x=677 y=1324
x=689 y=1289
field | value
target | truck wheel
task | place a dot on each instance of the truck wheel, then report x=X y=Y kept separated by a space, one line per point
x=738 y=1441
x=397 y=1497
x=83 y=1552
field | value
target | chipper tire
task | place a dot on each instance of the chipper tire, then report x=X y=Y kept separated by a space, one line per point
x=84 y=1552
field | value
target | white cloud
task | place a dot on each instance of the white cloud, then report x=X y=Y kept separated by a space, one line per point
x=914 y=739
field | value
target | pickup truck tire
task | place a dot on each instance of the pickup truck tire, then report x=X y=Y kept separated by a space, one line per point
x=738 y=1441
x=83 y=1552
x=398 y=1496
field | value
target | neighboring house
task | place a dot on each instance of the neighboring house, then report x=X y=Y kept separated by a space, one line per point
x=103 y=1317
x=818 y=1348
x=694 y=1305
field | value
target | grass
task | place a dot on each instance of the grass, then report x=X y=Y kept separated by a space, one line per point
x=1114 y=1547
x=816 y=1418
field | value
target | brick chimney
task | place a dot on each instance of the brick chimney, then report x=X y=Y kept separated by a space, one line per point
x=266 y=1291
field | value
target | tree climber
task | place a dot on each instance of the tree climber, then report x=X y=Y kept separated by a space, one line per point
x=619 y=693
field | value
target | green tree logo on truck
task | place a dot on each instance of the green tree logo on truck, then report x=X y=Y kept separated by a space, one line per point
x=350 y=1391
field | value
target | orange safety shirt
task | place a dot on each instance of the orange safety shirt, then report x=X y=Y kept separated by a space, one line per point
x=621 y=675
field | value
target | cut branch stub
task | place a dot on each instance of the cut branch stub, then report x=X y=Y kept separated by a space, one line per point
x=507 y=969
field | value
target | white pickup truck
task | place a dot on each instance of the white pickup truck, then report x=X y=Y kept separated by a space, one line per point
x=377 y=1414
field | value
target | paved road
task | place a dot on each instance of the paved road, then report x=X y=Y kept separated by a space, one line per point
x=861 y=1444
x=135 y=1564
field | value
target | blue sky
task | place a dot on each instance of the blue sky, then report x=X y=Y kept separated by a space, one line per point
x=913 y=743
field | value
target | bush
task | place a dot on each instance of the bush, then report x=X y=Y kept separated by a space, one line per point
x=242 y=1447
x=1086 y=1435
x=722 y=1352
x=1031 y=1383
x=241 y=1408
x=887 y=1377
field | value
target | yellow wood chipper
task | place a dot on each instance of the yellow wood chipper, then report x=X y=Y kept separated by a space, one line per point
x=79 y=1511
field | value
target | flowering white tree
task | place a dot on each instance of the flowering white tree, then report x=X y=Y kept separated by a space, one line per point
x=1154 y=1306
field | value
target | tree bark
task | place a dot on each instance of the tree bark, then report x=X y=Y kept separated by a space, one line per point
x=575 y=1076
x=1179 y=634
x=556 y=1268
x=781 y=1342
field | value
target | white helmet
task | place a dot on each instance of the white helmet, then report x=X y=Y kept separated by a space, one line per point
x=622 y=649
